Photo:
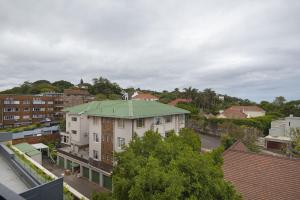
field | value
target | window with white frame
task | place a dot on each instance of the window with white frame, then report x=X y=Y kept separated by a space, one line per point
x=38 y=101
x=50 y=109
x=16 y=117
x=95 y=137
x=74 y=119
x=157 y=120
x=50 y=102
x=140 y=123
x=26 y=109
x=121 y=123
x=9 y=117
x=36 y=109
x=168 y=119
x=121 y=142
x=65 y=139
x=95 y=154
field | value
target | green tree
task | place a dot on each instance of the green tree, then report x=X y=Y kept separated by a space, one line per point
x=61 y=85
x=172 y=168
x=279 y=101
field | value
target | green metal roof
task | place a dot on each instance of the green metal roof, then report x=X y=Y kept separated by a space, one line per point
x=27 y=149
x=130 y=109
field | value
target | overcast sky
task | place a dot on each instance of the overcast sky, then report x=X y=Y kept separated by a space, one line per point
x=249 y=49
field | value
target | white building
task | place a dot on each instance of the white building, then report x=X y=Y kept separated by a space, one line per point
x=94 y=131
x=281 y=131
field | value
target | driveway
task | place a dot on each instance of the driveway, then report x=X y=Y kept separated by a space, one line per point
x=82 y=185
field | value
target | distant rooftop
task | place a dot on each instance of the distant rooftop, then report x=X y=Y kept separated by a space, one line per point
x=260 y=176
x=129 y=109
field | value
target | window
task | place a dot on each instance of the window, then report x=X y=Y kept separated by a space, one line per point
x=9 y=117
x=121 y=123
x=95 y=137
x=95 y=155
x=74 y=119
x=50 y=102
x=36 y=109
x=50 y=109
x=181 y=119
x=140 y=123
x=74 y=132
x=157 y=120
x=26 y=117
x=168 y=119
x=16 y=117
x=26 y=102
x=65 y=139
x=38 y=116
x=121 y=142
x=38 y=101
x=9 y=109
x=26 y=109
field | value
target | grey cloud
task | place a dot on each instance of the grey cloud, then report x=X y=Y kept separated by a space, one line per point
x=249 y=49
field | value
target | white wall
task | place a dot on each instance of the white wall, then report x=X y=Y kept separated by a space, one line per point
x=284 y=127
x=251 y=114
x=125 y=132
x=94 y=124
x=80 y=126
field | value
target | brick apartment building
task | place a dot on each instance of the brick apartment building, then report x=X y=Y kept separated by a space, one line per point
x=76 y=96
x=17 y=110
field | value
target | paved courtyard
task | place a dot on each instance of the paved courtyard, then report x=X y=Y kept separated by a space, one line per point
x=82 y=185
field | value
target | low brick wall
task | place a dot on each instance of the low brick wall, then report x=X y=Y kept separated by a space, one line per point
x=38 y=139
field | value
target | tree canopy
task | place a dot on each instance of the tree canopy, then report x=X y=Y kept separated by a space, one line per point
x=152 y=167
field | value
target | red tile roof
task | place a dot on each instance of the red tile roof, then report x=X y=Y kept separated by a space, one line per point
x=238 y=111
x=176 y=101
x=145 y=96
x=235 y=114
x=258 y=176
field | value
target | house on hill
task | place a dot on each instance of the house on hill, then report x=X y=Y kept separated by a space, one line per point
x=94 y=131
x=242 y=112
x=259 y=176
x=176 y=101
x=144 y=96
x=280 y=133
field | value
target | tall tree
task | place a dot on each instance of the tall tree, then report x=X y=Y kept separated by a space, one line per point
x=279 y=101
x=153 y=168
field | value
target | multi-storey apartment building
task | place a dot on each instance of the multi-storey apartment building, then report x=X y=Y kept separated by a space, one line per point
x=76 y=96
x=17 y=110
x=94 y=131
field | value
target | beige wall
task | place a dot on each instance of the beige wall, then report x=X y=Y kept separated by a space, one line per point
x=80 y=126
